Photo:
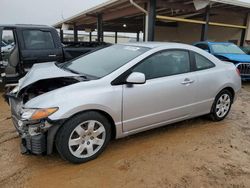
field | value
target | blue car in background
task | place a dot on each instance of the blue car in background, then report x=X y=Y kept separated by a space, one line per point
x=227 y=51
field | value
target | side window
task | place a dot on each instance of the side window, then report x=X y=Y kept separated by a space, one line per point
x=165 y=63
x=202 y=62
x=38 y=40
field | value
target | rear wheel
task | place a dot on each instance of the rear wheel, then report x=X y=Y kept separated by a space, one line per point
x=222 y=105
x=83 y=137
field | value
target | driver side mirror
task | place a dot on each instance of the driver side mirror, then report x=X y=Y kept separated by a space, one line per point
x=136 y=78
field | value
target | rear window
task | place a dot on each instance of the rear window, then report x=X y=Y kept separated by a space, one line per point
x=38 y=40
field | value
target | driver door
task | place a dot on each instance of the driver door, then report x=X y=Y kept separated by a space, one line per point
x=168 y=94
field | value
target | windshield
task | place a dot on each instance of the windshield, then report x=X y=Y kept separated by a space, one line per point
x=226 y=49
x=102 y=62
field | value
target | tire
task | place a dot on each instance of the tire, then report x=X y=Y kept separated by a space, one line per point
x=83 y=137
x=222 y=105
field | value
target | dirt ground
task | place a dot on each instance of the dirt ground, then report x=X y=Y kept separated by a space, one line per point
x=194 y=153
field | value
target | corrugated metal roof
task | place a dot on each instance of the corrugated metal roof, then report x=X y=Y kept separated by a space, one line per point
x=93 y=9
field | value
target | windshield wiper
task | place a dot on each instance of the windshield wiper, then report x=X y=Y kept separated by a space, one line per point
x=85 y=76
x=70 y=70
x=75 y=72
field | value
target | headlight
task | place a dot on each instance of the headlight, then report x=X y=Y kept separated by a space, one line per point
x=36 y=114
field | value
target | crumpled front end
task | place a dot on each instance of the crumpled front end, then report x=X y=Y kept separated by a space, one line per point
x=33 y=133
x=36 y=130
x=37 y=136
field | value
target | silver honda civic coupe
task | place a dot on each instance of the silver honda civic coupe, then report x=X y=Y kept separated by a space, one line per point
x=78 y=106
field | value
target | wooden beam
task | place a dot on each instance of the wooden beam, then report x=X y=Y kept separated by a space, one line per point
x=200 y=22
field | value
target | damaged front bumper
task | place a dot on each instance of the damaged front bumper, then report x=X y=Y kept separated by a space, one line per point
x=37 y=137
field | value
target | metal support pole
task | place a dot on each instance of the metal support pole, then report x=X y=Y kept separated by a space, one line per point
x=243 y=33
x=90 y=36
x=138 y=36
x=99 y=28
x=144 y=28
x=204 y=31
x=151 y=19
x=75 y=34
x=116 y=37
x=61 y=35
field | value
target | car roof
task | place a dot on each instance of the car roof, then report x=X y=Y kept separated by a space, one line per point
x=156 y=44
x=24 y=26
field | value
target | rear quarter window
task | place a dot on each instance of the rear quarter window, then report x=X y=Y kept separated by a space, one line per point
x=202 y=62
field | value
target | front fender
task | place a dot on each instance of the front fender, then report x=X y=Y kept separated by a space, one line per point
x=81 y=97
x=116 y=116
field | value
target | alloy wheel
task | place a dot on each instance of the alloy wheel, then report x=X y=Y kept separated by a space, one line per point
x=223 y=105
x=87 y=139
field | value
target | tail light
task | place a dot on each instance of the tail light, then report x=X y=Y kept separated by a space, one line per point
x=238 y=71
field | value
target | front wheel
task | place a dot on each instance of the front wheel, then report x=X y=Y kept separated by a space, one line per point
x=222 y=105
x=83 y=137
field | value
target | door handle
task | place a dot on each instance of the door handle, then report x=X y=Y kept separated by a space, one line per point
x=52 y=55
x=187 y=81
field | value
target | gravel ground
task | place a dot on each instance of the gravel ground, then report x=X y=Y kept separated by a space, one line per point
x=193 y=153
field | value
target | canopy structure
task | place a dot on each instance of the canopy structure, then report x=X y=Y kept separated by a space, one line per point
x=136 y=16
x=241 y=3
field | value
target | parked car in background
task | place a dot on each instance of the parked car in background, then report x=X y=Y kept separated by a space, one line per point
x=246 y=49
x=115 y=92
x=25 y=45
x=230 y=52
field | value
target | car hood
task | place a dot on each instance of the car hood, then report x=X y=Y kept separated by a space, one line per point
x=236 y=57
x=41 y=72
